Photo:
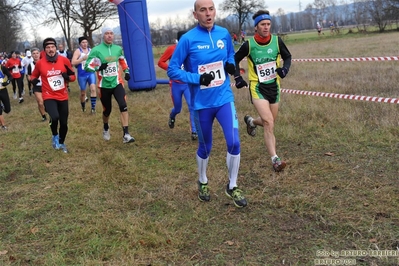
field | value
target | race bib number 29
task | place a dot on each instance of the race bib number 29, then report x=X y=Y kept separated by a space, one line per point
x=56 y=82
x=216 y=69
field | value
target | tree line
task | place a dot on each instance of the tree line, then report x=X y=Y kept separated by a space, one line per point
x=85 y=17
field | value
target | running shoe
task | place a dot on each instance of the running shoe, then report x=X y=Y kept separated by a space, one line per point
x=106 y=135
x=21 y=100
x=55 y=142
x=236 y=195
x=171 y=122
x=194 y=136
x=4 y=128
x=127 y=138
x=63 y=148
x=14 y=96
x=93 y=111
x=278 y=165
x=251 y=130
x=203 y=192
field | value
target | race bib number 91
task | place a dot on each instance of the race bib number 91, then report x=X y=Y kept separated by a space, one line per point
x=216 y=69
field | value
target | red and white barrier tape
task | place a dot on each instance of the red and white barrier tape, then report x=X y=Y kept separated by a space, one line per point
x=343 y=96
x=358 y=59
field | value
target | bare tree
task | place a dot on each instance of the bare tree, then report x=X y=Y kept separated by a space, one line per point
x=190 y=20
x=91 y=15
x=10 y=26
x=346 y=15
x=360 y=14
x=377 y=10
x=284 y=25
x=319 y=11
x=332 y=11
x=309 y=17
x=392 y=11
x=242 y=9
x=293 y=21
x=393 y=6
x=62 y=12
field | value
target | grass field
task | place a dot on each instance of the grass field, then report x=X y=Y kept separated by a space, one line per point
x=108 y=203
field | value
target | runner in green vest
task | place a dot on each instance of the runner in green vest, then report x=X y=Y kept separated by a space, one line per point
x=264 y=53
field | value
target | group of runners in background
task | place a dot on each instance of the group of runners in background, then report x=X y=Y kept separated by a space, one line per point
x=199 y=67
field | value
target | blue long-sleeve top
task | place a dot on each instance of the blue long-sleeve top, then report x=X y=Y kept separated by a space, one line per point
x=200 y=51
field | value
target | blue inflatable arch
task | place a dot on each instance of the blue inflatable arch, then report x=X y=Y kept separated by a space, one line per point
x=137 y=45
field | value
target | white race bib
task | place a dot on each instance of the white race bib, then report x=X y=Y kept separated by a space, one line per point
x=56 y=82
x=216 y=69
x=266 y=71
x=111 y=70
x=84 y=61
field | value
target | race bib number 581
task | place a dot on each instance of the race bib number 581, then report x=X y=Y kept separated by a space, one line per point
x=266 y=71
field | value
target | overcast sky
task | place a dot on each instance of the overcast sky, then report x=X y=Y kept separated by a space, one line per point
x=164 y=9
x=171 y=8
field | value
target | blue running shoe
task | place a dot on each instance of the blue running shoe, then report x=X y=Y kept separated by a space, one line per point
x=55 y=141
x=63 y=148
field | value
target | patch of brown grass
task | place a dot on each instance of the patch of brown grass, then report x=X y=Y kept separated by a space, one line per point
x=108 y=203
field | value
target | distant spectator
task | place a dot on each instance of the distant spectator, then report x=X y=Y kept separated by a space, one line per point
x=332 y=27
x=319 y=28
x=14 y=65
x=25 y=63
x=61 y=51
x=235 y=39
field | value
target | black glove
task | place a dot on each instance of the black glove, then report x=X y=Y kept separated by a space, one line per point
x=282 y=72
x=230 y=68
x=127 y=76
x=34 y=81
x=205 y=79
x=65 y=76
x=69 y=71
x=5 y=83
x=103 y=66
x=240 y=82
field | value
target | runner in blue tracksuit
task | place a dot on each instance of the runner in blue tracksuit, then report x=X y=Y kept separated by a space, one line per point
x=207 y=53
